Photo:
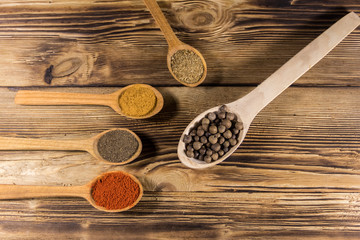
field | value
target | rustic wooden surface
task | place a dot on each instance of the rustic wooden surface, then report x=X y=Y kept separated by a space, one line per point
x=297 y=174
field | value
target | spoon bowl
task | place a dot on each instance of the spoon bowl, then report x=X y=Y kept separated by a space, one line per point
x=90 y=145
x=11 y=191
x=173 y=42
x=29 y=97
x=182 y=46
x=95 y=150
x=247 y=107
x=93 y=203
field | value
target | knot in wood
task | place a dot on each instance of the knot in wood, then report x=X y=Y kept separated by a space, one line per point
x=204 y=17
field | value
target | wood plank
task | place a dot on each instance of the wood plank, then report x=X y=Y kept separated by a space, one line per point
x=296 y=174
x=118 y=42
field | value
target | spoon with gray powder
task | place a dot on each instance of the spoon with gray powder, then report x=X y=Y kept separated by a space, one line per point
x=116 y=146
x=184 y=62
x=216 y=133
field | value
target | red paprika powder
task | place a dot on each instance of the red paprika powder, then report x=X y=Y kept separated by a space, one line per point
x=115 y=190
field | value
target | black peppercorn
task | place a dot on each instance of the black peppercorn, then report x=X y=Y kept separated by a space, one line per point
x=227 y=134
x=211 y=116
x=189 y=148
x=215 y=156
x=221 y=129
x=213 y=139
x=239 y=125
x=207 y=159
x=187 y=139
x=221 y=153
x=224 y=108
x=205 y=121
x=190 y=154
x=213 y=129
x=197 y=145
x=221 y=115
x=200 y=132
x=233 y=142
x=216 y=147
x=227 y=123
x=230 y=116
x=203 y=139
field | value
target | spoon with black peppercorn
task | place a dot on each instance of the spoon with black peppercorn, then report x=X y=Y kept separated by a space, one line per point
x=115 y=146
x=202 y=143
x=184 y=62
x=127 y=198
x=113 y=100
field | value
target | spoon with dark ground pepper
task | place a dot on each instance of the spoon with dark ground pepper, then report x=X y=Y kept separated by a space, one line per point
x=184 y=62
x=116 y=146
x=11 y=191
x=246 y=108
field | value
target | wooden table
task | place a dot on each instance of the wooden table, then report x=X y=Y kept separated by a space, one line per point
x=296 y=175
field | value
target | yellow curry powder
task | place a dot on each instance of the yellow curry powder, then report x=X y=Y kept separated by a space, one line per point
x=137 y=101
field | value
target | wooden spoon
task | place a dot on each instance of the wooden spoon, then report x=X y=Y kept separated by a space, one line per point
x=28 y=97
x=10 y=191
x=173 y=42
x=247 y=107
x=89 y=145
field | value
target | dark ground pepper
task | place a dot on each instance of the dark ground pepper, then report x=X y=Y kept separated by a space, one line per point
x=117 y=146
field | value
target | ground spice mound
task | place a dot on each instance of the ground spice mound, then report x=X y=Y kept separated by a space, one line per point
x=117 y=145
x=137 y=101
x=187 y=66
x=115 y=191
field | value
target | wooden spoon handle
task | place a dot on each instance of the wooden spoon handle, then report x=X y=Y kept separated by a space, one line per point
x=8 y=191
x=27 y=97
x=9 y=143
x=164 y=25
x=251 y=104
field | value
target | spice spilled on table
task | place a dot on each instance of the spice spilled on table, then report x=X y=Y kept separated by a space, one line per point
x=115 y=191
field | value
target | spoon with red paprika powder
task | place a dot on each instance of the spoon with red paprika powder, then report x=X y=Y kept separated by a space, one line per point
x=115 y=191
x=115 y=146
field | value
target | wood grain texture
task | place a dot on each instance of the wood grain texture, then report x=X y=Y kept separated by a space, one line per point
x=296 y=174
x=118 y=42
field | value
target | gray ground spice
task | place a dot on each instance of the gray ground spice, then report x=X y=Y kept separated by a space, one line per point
x=187 y=66
x=117 y=146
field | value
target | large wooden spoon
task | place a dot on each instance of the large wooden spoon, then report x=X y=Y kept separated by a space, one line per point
x=10 y=191
x=247 y=107
x=29 y=97
x=90 y=145
x=173 y=42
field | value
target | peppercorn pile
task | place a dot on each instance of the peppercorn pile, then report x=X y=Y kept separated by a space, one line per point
x=213 y=136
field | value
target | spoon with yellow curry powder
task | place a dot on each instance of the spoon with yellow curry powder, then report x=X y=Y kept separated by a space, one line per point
x=136 y=101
